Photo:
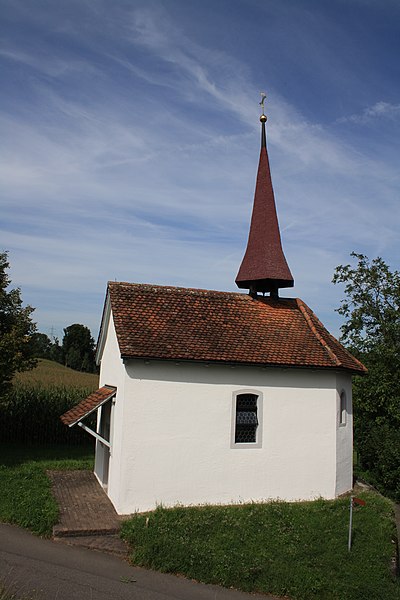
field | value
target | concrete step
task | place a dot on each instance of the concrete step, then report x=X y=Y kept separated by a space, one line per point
x=62 y=531
x=111 y=544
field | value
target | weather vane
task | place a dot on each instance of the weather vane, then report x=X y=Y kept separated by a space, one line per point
x=263 y=96
x=263 y=116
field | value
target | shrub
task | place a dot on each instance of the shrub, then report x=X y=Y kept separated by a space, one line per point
x=378 y=446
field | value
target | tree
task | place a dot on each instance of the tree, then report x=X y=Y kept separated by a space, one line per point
x=372 y=331
x=372 y=304
x=56 y=352
x=16 y=329
x=78 y=348
x=41 y=345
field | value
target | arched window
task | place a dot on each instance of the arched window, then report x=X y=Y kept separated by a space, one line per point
x=246 y=416
x=343 y=409
x=246 y=419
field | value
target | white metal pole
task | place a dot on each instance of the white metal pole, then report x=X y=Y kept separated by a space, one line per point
x=350 y=522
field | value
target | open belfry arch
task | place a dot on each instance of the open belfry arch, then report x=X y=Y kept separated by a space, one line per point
x=218 y=397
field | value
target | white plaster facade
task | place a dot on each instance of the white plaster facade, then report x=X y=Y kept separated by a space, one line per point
x=172 y=442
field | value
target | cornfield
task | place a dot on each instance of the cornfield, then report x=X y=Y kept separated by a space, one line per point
x=31 y=414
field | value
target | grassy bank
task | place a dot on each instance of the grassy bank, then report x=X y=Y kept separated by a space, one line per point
x=25 y=497
x=297 y=550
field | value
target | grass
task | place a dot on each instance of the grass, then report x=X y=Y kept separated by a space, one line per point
x=7 y=594
x=13 y=587
x=25 y=497
x=50 y=373
x=288 y=549
x=12 y=591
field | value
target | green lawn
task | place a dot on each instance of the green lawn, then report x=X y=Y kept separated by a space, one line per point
x=25 y=497
x=289 y=549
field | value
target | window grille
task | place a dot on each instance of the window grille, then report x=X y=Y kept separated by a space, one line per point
x=246 y=419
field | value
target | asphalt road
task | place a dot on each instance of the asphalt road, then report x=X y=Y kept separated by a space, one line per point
x=47 y=570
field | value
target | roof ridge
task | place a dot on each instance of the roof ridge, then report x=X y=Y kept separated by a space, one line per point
x=307 y=317
x=203 y=291
x=176 y=288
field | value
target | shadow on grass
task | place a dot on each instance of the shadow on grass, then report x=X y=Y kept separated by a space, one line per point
x=12 y=455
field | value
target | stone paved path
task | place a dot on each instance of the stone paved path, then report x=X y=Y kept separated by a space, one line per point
x=87 y=517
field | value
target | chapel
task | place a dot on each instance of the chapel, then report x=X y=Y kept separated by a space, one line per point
x=221 y=397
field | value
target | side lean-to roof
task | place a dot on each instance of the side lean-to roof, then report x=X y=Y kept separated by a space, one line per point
x=172 y=323
x=89 y=405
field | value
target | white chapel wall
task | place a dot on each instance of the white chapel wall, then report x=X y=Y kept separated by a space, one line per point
x=177 y=421
x=344 y=436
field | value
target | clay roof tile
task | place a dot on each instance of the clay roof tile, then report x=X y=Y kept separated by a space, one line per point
x=173 y=323
x=88 y=405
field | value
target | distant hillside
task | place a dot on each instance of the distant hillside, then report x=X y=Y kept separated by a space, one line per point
x=49 y=373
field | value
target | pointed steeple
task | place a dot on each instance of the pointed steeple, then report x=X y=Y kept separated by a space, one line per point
x=264 y=267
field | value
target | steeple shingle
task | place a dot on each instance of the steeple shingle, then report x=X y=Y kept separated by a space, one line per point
x=264 y=267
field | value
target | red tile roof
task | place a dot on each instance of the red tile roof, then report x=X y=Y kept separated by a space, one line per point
x=87 y=406
x=172 y=323
x=264 y=265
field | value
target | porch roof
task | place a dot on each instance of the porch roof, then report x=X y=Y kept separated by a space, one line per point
x=88 y=405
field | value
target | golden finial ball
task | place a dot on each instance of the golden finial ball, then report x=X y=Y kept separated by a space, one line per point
x=263 y=118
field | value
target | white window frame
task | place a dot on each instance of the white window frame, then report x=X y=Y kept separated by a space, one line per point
x=258 y=442
x=342 y=409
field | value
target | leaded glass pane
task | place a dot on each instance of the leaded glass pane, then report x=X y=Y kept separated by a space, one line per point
x=245 y=434
x=246 y=418
x=246 y=402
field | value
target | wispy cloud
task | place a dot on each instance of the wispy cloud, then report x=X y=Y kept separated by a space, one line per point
x=48 y=65
x=204 y=75
x=378 y=110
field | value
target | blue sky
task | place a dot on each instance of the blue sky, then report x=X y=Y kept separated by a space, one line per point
x=130 y=142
